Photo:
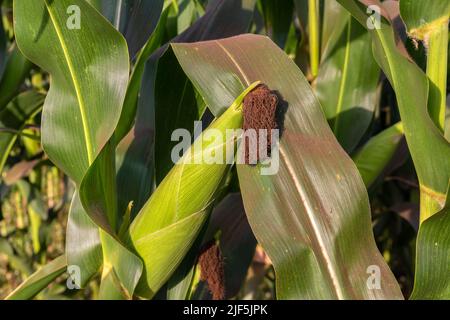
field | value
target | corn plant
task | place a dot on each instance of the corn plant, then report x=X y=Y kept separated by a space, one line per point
x=349 y=201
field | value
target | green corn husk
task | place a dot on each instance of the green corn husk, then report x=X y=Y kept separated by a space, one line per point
x=169 y=222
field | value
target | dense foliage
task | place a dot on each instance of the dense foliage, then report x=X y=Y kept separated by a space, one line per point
x=94 y=93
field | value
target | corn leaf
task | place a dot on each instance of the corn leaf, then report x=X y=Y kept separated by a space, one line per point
x=3 y=49
x=171 y=219
x=134 y=156
x=16 y=262
x=98 y=191
x=15 y=71
x=278 y=19
x=373 y=157
x=142 y=22
x=163 y=250
x=84 y=103
x=347 y=83
x=421 y=16
x=187 y=14
x=119 y=264
x=432 y=278
x=428 y=21
x=423 y=137
x=181 y=100
x=182 y=104
x=137 y=151
x=135 y=19
x=411 y=87
x=89 y=79
x=237 y=245
x=39 y=280
x=130 y=104
x=81 y=112
x=333 y=21
x=83 y=246
x=313 y=215
x=14 y=117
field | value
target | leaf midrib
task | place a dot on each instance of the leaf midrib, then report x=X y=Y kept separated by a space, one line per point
x=331 y=272
x=309 y=211
x=228 y=53
x=76 y=84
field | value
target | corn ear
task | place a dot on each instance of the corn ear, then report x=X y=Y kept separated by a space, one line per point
x=169 y=222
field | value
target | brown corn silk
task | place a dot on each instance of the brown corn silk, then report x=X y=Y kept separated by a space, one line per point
x=212 y=270
x=260 y=110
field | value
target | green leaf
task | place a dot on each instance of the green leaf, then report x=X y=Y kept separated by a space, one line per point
x=428 y=21
x=278 y=19
x=137 y=160
x=186 y=14
x=313 y=215
x=334 y=20
x=176 y=106
x=24 y=107
x=237 y=245
x=373 y=157
x=89 y=78
x=122 y=263
x=98 y=191
x=16 y=69
x=16 y=262
x=82 y=108
x=134 y=162
x=121 y=268
x=347 y=83
x=134 y=154
x=130 y=104
x=411 y=88
x=421 y=16
x=135 y=19
x=142 y=22
x=432 y=277
x=39 y=280
x=302 y=52
x=171 y=219
x=181 y=283
x=163 y=250
x=83 y=246
x=111 y=288
x=3 y=48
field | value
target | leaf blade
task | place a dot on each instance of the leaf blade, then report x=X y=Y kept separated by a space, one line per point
x=80 y=78
x=39 y=280
x=281 y=223
x=14 y=116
